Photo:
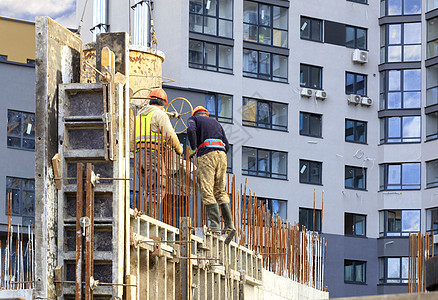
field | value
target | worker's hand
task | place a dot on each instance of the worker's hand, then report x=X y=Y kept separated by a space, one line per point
x=179 y=150
x=192 y=153
x=172 y=115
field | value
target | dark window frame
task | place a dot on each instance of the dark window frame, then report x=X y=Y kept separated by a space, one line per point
x=355 y=263
x=20 y=190
x=311 y=69
x=207 y=67
x=264 y=76
x=269 y=203
x=428 y=40
x=385 y=139
x=434 y=135
x=21 y=137
x=355 y=126
x=228 y=120
x=387 y=280
x=401 y=233
x=309 y=218
x=402 y=44
x=356 y=46
x=310 y=115
x=354 y=216
x=355 y=84
x=402 y=9
x=230 y=154
x=264 y=125
x=269 y=173
x=431 y=184
x=311 y=25
x=308 y=163
x=355 y=169
x=403 y=187
x=204 y=15
x=359 y=1
x=434 y=226
x=384 y=90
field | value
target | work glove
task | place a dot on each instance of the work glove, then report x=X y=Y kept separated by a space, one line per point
x=179 y=150
x=192 y=153
x=172 y=115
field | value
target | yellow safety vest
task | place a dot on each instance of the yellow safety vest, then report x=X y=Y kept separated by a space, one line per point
x=147 y=136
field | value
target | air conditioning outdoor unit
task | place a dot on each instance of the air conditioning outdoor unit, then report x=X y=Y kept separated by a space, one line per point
x=321 y=95
x=367 y=101
x=354 y=99
x=360 y=56
x=306 y=92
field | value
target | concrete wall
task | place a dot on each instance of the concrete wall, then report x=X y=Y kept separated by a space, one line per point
x=16 y=294
x=279 y=288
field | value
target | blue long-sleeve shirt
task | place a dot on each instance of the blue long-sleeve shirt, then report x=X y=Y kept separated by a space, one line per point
x=200 y=128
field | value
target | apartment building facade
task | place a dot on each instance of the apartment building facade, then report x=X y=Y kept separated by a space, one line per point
x=333 y=100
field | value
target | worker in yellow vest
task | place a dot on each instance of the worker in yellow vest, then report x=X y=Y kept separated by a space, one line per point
x=152 y=125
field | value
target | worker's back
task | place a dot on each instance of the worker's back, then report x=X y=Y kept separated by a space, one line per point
x=201 y=128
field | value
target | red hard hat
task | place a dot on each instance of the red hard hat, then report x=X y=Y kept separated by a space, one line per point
x=160 y=94
x=200 y=108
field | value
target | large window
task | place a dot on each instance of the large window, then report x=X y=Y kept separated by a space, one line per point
x=432 y=126
x=354 y=271
x=403 y=42
x=355 y=225
x=310 y=124
x=403 y=176
x=355 y=131
x=405 y=129
x=20 y=198
x=432 y=220
x=213 y=17
x=355 y=84
x=355 y=178
x=264 y=114
x=278 y=207
x=306 y=219
x=265 y=24
x=209 y=56
x=230 y=160
x=432 y=37
x=310 y=172
x=432 y=173
x=432 y=85
x=399 y=222
x=393 y=270
x=220 y=107
x=400 y=89
x=21 y=130
x=264 y=163
x=311 y=29
x=401 y=7
x=310 y=76
x=355 y=37
x=264 y=65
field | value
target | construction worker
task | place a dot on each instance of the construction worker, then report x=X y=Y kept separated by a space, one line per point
x=207 y=136
x=153 y=125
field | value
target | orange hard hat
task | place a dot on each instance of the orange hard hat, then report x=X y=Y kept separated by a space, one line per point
x=200 y=108
x=159 y=93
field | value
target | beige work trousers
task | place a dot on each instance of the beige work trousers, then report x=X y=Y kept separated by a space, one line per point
x=212 y=177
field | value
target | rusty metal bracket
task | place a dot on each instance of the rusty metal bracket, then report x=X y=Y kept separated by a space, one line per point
x=85 y=222
x=157 y=247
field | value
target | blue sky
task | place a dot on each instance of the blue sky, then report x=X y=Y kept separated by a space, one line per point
x=62 y=11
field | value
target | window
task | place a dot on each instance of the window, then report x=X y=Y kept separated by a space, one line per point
x=209 y=56
x=20 y=197
x=278 y=207
x=310 y=124
x=393 y=270
x=21 y=130
x=264 y=114
x=400 y=89
x=311 y=29
x=432 y=126
x=399 y=222
x=401 y=7
x=403 y=42
x=432 y=173
x=355 y=84
x=265 y=24
x=213 y=17
x=3 y=58
x=406 y=129
x=355 y=224
x=354 y=271
x=310 y=76
x=230 y=160
x=432 y=220
x=30 y=62
x=220 y=107
x=355 y=37
x=432 y=37
x=264 y=163
x=100 y=17
x=432 y=85
x=403 y=176
x=432 y=4
x=355 y=131
x=306 y=219
x=310 y=172
x=264 y=65
x=355 y=178
x=359 y=1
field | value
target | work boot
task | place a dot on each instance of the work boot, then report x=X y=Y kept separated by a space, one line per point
x=213 y=216
x=228 y=217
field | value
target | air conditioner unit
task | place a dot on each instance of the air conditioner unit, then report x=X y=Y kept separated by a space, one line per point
x=321 y=95
x=354 y=99
x=306 y=92
x=360 y=56
x=366 y=101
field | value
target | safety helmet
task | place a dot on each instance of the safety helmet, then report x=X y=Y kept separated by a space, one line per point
x=200 y=108
x=159 y=93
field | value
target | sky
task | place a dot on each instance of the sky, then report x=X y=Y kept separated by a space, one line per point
x=62 y=11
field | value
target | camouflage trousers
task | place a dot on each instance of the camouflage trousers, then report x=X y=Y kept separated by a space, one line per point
x=212 y=177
